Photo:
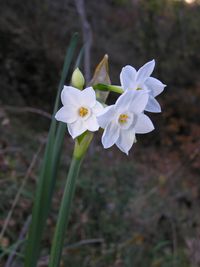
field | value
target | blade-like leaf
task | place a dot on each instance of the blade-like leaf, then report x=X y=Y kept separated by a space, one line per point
x=60 y=133
x=46 y=178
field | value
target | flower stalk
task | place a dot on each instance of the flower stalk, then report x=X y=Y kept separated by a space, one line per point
x=106 y=87
x=64 y=212
x=80 y=149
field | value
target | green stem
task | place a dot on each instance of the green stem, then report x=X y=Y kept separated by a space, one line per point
x=81 y=146
x=106 y=87
x=64 y=212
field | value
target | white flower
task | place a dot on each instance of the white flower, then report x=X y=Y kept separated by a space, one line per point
x=79 y=110
x=124 y=119
x=132 y=79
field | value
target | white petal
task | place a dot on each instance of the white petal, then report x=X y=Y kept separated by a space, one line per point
x=66 y=114
x=145 y=71
x=110 y=135
x=98 y=108
x=88 y=97
x=70 y=96
x=105 y=117
x=126 y=140
x=127 y=77
x=155 y=86
x=153 y=105
x=125 y=100
x=143 y=124
x=76 y=128
x=139 y=101
x=92 y=124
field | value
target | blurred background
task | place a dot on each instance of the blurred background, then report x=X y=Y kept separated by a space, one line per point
x=141 y=210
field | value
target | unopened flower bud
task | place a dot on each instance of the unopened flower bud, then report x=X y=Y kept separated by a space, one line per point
x=77 y=80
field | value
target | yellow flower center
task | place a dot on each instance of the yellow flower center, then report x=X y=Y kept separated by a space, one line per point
x=123 y=118
x=83 y=112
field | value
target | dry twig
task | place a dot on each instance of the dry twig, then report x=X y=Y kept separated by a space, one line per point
x=87 y=37
x=28 y=173
x=21 y=237
x=28 y=109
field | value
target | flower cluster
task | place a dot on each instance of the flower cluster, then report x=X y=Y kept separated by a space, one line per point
x=121 y=121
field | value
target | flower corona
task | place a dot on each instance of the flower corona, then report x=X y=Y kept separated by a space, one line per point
x=83 y=112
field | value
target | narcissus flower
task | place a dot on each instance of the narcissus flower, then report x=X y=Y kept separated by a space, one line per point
x=125 y=119
x=79 y=110
x=141 y=80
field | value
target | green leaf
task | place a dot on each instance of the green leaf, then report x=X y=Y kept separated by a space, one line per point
x=48 y=172
x=64 y=212
x=60 y=133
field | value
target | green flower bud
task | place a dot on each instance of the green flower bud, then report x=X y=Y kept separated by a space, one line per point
x=78 y=79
